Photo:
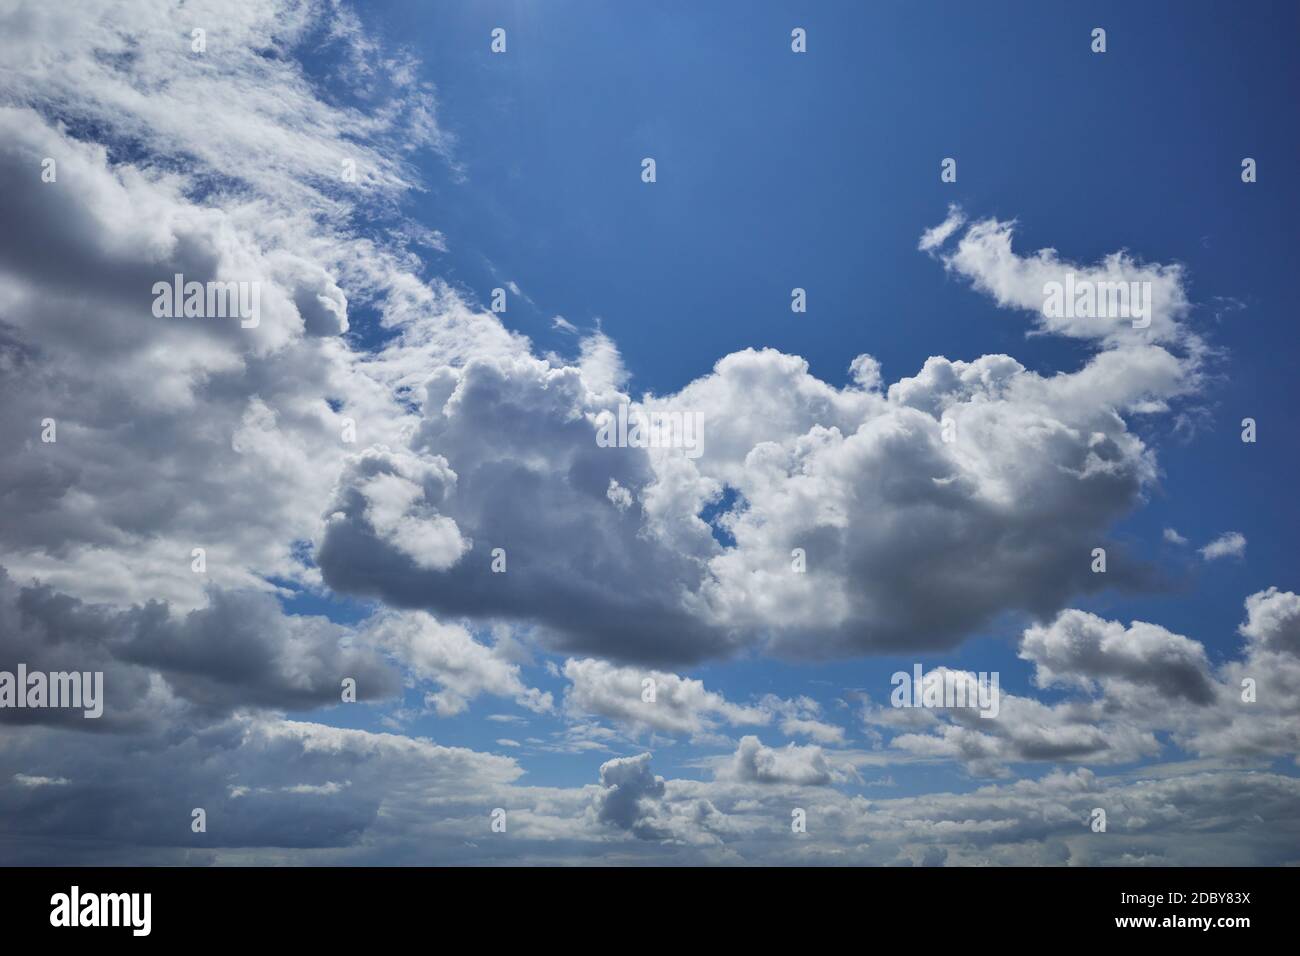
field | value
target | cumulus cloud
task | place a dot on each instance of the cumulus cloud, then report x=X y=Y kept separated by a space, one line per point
x=267 y=784
x=162 y=666
x=1273 y=622
x=1230 y=544
x=984 y=256
x=793 y=764
x=1038 y=471
x=1258 y=712
x=880 y=503
x=1132 y=685
x=1079 y=647
x=1025 y=730
x=448 y=655
x=397 y=496
x=218 y=421
x=628 y=793
x=519 y=434
x=679 y=706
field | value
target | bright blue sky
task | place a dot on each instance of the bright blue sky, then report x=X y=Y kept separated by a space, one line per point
x=821 y=171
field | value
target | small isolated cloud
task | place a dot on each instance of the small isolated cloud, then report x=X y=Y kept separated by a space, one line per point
x=1173 y=537
x=755 y=763
x=27 y=780
x=1230 y=544
x=328 y=788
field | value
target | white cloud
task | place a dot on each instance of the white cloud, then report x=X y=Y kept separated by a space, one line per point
x=793 y=764
x=1230 y=544
x=680 y=706
x=985 y=257
x=800 y=717
x=26 y=780
x=401 y=495
x=811 y=466
x=447 y=655
x=934 y=238
x=1079 y=648
x=1133 y=684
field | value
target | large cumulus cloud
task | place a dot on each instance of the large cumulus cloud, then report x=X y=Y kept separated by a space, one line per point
x=863 y=481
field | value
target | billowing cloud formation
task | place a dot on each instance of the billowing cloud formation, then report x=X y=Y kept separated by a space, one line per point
x=627 y=796
x=863 y=483
x=519 y=435
x=398 y=496
x=1259 y=707
x=793 y=764
x=1133 y=683
x=847 y=501
x=162 y=666
x=1273 y=622
x=1080 y=647
x=218 y=421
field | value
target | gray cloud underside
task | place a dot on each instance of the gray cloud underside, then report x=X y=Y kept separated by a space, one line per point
x=281 y=791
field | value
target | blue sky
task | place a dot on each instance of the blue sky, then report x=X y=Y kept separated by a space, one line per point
x=821 y=171
x=775 y=170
